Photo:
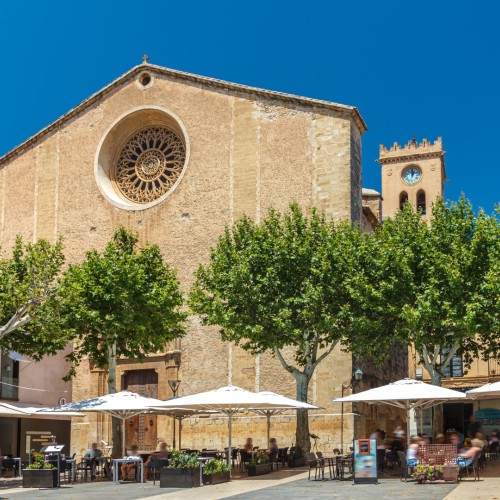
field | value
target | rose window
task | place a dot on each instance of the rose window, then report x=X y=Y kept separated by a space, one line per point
x=149 y=164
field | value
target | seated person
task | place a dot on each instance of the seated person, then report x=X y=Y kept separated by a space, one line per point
x=273 y=449
x=91 y=457
x=161 y=454
x=467 y=457
x=248 y=445
x=126 y=468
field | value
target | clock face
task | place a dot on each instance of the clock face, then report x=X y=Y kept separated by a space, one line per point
x=412 y=175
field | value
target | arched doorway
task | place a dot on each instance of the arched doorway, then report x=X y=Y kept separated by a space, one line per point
x=141 y=429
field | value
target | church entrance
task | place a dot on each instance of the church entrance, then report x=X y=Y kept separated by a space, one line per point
x=141 y=430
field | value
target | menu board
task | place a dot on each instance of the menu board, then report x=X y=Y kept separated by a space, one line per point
x=365 y=461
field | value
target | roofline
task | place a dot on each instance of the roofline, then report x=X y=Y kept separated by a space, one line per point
x=221 y=84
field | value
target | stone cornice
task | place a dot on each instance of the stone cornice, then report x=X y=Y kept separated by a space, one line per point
x=411 y=157
x=349 y=111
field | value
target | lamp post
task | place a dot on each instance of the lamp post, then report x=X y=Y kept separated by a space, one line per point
x=174 y=385
x=356 y=377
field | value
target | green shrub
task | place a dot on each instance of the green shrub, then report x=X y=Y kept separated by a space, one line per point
x=180 y=460
x=39 y=462
x=215 y=465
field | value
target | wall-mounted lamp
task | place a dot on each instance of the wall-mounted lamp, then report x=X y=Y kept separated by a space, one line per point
x=419 y=373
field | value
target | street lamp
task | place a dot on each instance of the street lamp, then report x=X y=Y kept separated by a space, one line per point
x=356 y=377
x=174 y=385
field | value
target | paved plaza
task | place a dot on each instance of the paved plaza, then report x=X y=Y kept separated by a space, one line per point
x=288 y=483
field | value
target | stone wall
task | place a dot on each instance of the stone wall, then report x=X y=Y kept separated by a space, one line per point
x=247 y=153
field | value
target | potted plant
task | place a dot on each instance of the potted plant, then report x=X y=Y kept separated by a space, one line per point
x=216 y=471
x=39 y=474
x=450 y=473
x=183 y=471
x=427 y=473
x=296 y=457
x=259 y=465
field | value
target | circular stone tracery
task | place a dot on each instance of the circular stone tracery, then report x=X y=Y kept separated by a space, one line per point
x=149 y=164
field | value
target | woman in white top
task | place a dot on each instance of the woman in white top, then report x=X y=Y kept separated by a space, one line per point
x=412 y=452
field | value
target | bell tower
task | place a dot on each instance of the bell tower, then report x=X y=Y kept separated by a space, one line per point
x=414 y=173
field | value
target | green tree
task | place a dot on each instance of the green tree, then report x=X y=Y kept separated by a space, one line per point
x=287 y=282
x=123 y=302
x=439 y=268
x=28 y=282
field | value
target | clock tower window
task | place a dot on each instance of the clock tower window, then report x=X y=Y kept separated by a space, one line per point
x=403 y=198
x=421 y=201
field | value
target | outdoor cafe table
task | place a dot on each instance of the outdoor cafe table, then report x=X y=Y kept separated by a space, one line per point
x=128 y=460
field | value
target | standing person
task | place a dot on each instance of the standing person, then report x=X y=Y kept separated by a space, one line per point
x=92 y=456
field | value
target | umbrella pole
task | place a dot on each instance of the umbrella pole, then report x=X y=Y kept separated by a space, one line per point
x=421 y=418
x=229 y=453
x=124 y=451
x=268 y=415
x=408 y=425
x=180 y=432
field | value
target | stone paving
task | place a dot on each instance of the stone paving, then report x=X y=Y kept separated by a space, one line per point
x=288 y=483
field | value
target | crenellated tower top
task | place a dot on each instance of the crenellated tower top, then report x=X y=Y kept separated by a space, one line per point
x=412 y=148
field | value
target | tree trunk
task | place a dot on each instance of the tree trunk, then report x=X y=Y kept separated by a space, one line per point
x=116 y=424
x=302 y=431
x=437 y=411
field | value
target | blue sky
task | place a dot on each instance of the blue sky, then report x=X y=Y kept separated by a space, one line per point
x=427 y=68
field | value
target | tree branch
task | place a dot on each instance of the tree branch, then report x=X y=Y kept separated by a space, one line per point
x=18 y=319
x=325 y=354
x=289 y=368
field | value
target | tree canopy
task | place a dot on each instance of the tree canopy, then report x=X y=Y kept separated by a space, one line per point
x=123 y=302
x=444 y=271
x=290 y=281
x=28 y=282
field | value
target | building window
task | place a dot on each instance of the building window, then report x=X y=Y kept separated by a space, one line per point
x=421 y=201
x=403 y=198
x=455 y=367
x=9 y=377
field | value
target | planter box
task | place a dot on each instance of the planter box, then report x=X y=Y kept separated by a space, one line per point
x=258 y=470
x=217 y=478
x=39 y=478
x=179 y=478
x=450 y=473
x=296 y=462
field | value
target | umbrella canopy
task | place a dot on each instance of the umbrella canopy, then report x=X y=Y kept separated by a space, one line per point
x=227 y=400
x=287 y=404
x=7 y=410
x=407 y=394
x=122 y=405
x=19 y=410
x=180 y=414
x=487 y=391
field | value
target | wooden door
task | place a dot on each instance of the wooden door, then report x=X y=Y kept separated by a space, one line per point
x=141 y=430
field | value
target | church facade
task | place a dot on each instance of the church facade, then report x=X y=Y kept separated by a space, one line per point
x=177 y=157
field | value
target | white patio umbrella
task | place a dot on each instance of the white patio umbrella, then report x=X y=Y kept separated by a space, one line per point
x=407 y=394
x=122 y=405
x=7 y=410
x=180 y=414
x=24 y=411
x=487 y=391
x=287 y=405
x=227 y=400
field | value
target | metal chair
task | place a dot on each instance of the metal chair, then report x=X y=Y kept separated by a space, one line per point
x=404 y=465
x=317 y=465
x=245 y=458
x=327 y=462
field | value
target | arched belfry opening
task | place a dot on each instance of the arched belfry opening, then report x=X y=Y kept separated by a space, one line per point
x=421 y=201
x=403 y=198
